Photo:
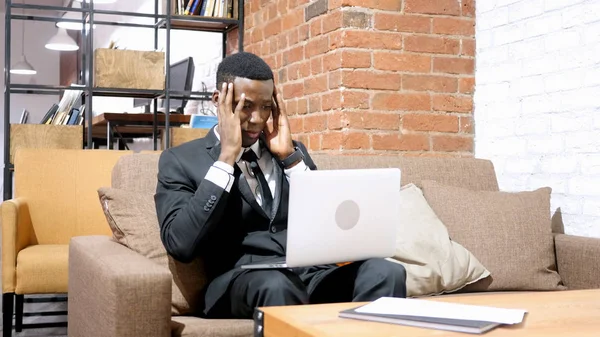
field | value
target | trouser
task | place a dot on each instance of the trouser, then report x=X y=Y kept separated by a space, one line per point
x=356 y=282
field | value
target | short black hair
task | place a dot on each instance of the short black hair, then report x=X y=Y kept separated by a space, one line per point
x=243 y=64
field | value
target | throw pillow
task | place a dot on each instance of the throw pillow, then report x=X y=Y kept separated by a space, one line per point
x=133 y=221
x=509 y=232
x=434 y=264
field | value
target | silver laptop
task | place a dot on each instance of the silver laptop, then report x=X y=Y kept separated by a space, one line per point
x=338 y=216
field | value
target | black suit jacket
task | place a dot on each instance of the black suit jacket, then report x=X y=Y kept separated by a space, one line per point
x=226 y=229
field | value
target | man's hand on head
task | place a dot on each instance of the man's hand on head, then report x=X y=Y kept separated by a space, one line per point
x=229 y=124
x=278 y=135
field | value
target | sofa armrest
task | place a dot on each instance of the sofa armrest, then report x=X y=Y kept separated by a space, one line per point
x=578 y=261
x=17 y=233
x=114 y=291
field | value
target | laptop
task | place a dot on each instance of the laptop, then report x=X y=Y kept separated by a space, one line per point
x=338 y=216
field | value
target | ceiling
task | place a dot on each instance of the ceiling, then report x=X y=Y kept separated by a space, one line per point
x=34 y=2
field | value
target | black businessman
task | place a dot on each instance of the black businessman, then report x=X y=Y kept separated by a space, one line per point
x=224 y=198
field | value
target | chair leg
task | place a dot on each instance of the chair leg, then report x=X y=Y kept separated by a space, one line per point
x=7 y=314
x=19 y=299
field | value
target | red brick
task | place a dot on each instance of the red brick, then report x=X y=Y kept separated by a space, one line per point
x=302 y=106
x=303 y=32
x=468 y=8
x=384 y=60
x=303 y=138
x=356 y=59
x=466 y=124
x=335 y=79
x=373 y=120
x=256 y=35
x=336 y=121
x=387 y=5
x=316 y=65
x=453 y=65
x=317 y=46
x=315 y=27
x=291 y=107
x=333 y=140
x=332 y=22
x=314 y=103
x=296 y=124
x=431 y=44
x=272 y=28
x=466 y=85
x=467 y=47
x=398 y=22
x=316 y=84
x=452 y=143
x=332 y=60
x=400 y=142
x=292 y=37
x=331 y=100
x=430 y=122
x=315 y=123
x=293 y=19
x=355 y=99
x=295 y=54
x=314 y=141
x=336 y=39
x=367 y=79
x=356 y=141
x=293 y=90
x=372 y=40
x=454 y=26
x=435 y=83
x=444 y=7
x=401 y=101
x=452 y=103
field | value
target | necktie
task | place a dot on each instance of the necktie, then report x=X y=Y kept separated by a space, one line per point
x=267 y=198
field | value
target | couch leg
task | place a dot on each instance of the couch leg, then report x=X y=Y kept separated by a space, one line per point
x=7 y=314
x=19 y=299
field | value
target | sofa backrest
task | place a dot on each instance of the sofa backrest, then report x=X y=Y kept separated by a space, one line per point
x=138 y=172
x=471 y=173
x=61 y=190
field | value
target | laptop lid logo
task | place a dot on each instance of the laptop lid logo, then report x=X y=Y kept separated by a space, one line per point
x=347 y=214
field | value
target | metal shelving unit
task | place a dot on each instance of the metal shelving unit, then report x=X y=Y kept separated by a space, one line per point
x=167 y=21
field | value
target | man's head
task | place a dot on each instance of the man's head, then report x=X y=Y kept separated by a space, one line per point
x=252 y=76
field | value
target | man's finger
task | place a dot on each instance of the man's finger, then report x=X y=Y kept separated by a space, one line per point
x=279 y=101
x=240 y=106
x=222 y=99
x=229 y=99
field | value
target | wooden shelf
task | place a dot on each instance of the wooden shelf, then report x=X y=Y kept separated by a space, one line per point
x=200 y=23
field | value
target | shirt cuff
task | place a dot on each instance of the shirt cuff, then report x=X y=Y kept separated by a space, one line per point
x=221 y=174
x=301 y=166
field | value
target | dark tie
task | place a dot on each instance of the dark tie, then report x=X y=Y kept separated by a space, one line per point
x=267 y=198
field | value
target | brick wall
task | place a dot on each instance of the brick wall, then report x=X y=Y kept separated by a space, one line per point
x=371 y=76
x=538 y=101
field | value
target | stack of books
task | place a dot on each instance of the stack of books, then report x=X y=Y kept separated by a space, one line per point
x=211 y=8
x=435 y=314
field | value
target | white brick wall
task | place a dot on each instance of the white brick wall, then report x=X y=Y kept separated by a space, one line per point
x=537 y=101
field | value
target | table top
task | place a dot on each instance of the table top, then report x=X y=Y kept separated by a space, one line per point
x=572 y=313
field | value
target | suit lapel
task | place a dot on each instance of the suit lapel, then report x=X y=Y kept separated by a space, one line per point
x=278 y=174
x=246 y=192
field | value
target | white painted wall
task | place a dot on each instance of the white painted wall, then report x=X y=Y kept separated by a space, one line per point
x=537 y=101
x=45 y=61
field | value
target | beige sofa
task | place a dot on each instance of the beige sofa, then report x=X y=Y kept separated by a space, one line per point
x=116 y=290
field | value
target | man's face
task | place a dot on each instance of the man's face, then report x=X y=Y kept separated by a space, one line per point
x=257 y=106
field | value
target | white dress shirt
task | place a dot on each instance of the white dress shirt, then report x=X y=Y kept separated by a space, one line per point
x=221 y=173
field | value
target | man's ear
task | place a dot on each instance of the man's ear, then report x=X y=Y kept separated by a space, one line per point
x=215 y=97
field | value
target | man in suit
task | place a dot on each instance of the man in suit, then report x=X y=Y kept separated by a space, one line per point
x=224 y=198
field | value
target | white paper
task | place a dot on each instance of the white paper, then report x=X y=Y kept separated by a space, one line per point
x=432 y=308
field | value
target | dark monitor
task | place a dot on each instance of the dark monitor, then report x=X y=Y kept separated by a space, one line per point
x=181 y=79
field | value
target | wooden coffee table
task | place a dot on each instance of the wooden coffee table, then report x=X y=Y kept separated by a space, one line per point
x=572 y=313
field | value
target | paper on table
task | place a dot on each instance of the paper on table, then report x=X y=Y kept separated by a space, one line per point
x=429 y=308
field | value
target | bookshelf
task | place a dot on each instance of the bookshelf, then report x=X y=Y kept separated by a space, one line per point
x=168 y=15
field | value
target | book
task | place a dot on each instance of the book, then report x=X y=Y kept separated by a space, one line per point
x=435 y=315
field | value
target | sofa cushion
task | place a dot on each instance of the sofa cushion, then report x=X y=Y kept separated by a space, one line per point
x=198 y=327
x=434 y=264
x=509 y=232
x=42 y=269
x=472 y=173
x=136 y=172
x=133 y=221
